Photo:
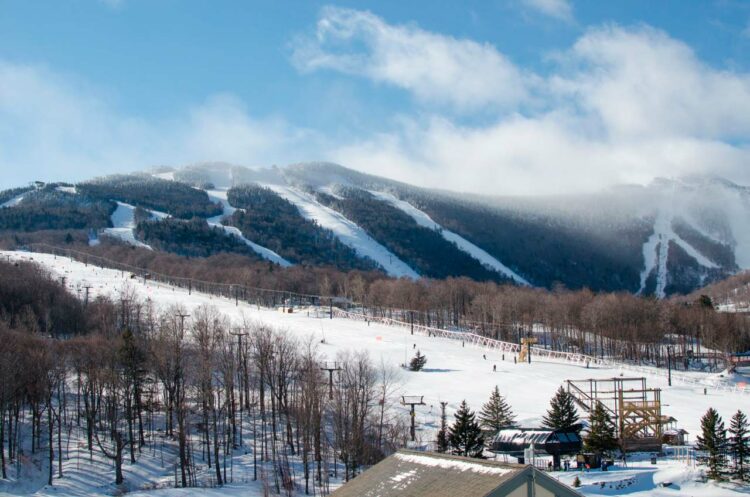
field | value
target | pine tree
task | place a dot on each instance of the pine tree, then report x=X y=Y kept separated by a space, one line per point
x=442 y=436
x=496 y=414
x=712 y=443
x=601 y=437
x=739 y=445
x=417 y=362
x=465 y=436
x=562 y=414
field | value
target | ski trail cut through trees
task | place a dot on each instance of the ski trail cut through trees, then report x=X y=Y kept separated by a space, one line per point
x=462 y=243
x=348 y=232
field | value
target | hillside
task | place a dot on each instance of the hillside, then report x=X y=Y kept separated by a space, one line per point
x=453 y=373
x=670 y=237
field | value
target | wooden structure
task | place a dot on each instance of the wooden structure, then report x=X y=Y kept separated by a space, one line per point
x=429 y=474
x=526 y=344
x=675 y=436
x=635 y=409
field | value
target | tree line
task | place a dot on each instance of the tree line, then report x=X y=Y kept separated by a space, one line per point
x=134 y=378
x=178 y=199
x=675 y=332
x=422 y=248
x=273 y=222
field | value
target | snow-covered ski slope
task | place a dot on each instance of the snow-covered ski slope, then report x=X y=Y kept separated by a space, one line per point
x=14 y=201
x=452 y=373
x=347 y=232
x=266 y=253
x=462 y=243
x=656 y=250
x=123 y=222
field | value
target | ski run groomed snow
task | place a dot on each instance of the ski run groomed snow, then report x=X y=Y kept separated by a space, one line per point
x=656 y=250
x=422 y=219
x=453 y=373
x=123 y=222
x=345 y=230
x=216 y=221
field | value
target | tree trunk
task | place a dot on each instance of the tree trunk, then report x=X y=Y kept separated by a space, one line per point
x=51 y=441
x=2 y=442
x=216 y=449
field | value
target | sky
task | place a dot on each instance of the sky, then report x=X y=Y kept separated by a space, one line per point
x=494 y=96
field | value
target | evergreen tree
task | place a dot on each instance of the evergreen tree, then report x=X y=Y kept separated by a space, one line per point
x=601 y=437
x=739 y=445
x=417 y=362
x=496 y=414
x=712 y=443
x=562 y=413
x=442 y=436
x=465 y=436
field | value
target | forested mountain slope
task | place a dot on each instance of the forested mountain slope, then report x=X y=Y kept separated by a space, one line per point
x=672 y=236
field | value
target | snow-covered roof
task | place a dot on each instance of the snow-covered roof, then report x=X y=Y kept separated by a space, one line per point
x=429 y=474
x=675 y=431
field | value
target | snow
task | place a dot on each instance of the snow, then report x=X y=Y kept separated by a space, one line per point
x=169 y=175
x=348 y=232
x=667 y=478
x=14 y=201
x=462 y=243
x=738 y=209
x=266 y=253
x=452 y=464
x=452 y=373
x=123 y=223
x=67 y=189
x=656 y=252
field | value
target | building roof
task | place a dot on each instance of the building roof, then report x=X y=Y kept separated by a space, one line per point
x=512 y=440
x=428 y=474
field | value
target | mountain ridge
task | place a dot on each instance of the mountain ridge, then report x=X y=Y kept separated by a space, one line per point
x=671 y=236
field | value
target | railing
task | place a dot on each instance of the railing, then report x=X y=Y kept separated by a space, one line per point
x=475 y=340
x=264 y=297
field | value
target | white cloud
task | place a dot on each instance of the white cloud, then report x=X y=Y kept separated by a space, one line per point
x=621 y=105
x=624 y=105
x=544 y=155
x=435 y=68
x=55 y=128
x=642 y=82
x=559 y=9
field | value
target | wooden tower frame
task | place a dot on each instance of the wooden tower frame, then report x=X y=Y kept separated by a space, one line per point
x=634 y=408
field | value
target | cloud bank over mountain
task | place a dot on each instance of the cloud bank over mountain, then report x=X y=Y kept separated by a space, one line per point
x=621 y=104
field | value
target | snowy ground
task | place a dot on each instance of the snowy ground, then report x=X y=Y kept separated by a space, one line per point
x=453 y=373
x=348 y=232
x=221 y=197
x=656 y=250
x=668 y=478
x=14 y=201
x=123 y=225
x=422 y=219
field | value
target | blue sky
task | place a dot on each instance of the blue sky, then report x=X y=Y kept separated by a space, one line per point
x=504 y=96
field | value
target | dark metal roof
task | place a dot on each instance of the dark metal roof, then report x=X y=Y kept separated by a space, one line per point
x=427 y=474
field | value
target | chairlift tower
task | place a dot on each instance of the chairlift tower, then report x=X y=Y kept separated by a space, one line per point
x=330 y=367
x=412 y=401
